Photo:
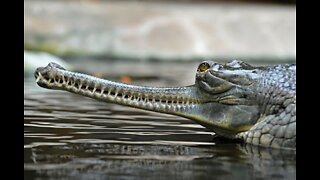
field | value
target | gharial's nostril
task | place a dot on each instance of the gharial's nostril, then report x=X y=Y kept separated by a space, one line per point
x=55 y=65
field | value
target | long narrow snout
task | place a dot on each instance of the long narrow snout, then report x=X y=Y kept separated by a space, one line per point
x=175 y=100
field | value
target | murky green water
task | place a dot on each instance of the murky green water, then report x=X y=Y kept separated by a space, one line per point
x=67 y=136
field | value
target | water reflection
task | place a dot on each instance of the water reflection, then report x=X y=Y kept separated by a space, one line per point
x=67 y=136
x=122 y=161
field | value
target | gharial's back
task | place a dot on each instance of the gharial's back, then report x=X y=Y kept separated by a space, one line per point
x=276 y=126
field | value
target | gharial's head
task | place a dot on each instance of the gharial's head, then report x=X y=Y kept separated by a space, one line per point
x=220 y=100
x=228 y=98
x=215 y=78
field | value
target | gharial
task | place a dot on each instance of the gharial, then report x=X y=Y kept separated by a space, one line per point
x=254 y=104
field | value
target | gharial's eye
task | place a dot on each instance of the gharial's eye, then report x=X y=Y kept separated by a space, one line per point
x=203 y=67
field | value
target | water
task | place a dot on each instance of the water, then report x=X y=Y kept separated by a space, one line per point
x=67 y=136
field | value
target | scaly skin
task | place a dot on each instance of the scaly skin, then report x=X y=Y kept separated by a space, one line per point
x=235 y=100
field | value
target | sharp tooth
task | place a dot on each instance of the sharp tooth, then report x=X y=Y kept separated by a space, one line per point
x=39 y=77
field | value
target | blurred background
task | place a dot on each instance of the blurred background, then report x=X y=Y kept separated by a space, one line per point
x=258 y=31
